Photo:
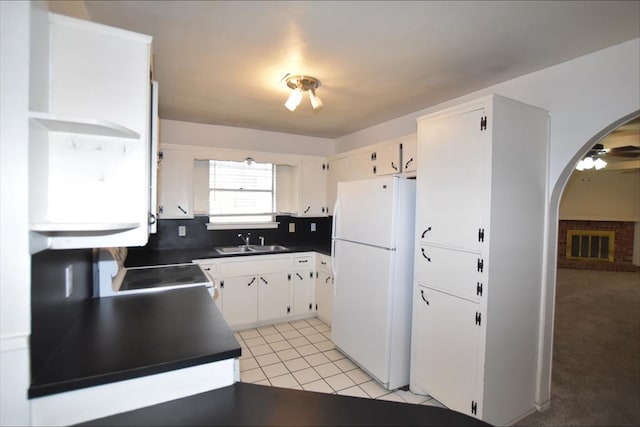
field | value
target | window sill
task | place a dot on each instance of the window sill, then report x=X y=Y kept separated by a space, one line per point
x=241 y=225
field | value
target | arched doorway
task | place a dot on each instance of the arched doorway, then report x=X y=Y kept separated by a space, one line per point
x=552 y=290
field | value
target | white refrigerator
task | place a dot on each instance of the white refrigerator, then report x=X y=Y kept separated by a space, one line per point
x=372 y=250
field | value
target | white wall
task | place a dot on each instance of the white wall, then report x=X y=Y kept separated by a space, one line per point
x=605 y=195
x=184 y=133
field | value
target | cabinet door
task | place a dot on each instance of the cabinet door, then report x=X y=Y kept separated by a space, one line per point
x=324 y=296
x=454 y=158
x=458 y=273
x=312 y=198
x=240 y=300
x=386 y=159
x=359 y=166
x=337 y=173
x=445 y=337
x=273 y=296
x=175 y=184
x=410 y=155
x=303 y=292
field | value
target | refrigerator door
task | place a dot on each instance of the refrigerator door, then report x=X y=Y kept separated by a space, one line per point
x=361 y=305
x=365 y=211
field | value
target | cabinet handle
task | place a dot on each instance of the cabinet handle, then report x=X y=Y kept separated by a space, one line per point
x=327 y=279
x=425 y=255
x=406 y=165
x=264 y=281
x=393 y=165
x=423 y=298
x=323 y=263
x=307 y=210
x=425 y=232
x=251 y=282
x=183 y=211
x=299 y=276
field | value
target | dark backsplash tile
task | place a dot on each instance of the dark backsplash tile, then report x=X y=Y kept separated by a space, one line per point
x=199 y=237
x=52 y=313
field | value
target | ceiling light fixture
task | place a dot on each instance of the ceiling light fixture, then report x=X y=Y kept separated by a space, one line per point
x=301 y=84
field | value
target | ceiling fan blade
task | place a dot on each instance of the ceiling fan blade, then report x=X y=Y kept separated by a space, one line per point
x=626 y=151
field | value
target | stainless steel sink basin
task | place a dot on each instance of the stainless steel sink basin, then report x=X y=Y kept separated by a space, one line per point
x=243 y=249
x=268 y=248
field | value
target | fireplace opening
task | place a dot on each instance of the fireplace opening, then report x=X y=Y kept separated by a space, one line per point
x=590 y=245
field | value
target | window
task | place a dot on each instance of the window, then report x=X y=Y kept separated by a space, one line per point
x=241 y=192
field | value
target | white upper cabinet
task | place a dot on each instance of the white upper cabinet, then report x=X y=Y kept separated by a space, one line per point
x=89 y=168
x=175 y=183
x=385 y=159
x=338 y=171
x=311 y=187
x=410 y=154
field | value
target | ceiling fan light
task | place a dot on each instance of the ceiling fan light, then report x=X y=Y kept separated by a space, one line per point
x=599 y=164
x=580 y=166
x=294 y=100
x=588 y=163
x=316 y=102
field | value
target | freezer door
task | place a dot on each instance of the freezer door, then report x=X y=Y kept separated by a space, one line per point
x=365 y=211
x=362 y=304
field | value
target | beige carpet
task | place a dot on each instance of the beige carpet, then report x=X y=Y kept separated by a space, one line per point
x=596 y=357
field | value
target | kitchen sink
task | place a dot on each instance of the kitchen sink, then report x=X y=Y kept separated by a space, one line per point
x=268 y=248
x=243 y=249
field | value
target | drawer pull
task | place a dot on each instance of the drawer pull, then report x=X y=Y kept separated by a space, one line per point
x=425 y=255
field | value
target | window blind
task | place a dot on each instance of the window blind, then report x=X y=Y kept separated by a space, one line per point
x=241 y=192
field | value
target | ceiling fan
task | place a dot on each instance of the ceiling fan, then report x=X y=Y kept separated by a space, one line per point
x=629 y=151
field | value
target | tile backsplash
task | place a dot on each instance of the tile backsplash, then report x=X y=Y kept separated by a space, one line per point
x=197 y=236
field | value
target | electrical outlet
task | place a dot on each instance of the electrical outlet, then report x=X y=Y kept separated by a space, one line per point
x=68 y=280
x=292 y=227
x=182 y=230
x=313 y=226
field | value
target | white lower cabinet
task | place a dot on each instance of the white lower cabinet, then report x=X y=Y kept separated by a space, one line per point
x=264 y=289
x=210 y=269
x=273 y=296
x=240 y=300
x=303 y=281
x=445 y=355
x=324 y=288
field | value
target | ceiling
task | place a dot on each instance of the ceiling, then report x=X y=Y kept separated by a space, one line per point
x=222 y=62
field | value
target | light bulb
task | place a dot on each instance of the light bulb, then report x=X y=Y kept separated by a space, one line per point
x=580 y=166
x=294 y=99
x=316 y=102
x=599 y=164
x=587 y=163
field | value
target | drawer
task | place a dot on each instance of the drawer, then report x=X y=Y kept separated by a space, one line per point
x=323 y=263
x=261 y=264
x=303 y=263
x=452 y=271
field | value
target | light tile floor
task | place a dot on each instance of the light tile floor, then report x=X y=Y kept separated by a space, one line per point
x=300 y=355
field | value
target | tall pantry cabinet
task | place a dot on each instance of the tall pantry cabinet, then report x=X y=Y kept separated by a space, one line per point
x=480 y=217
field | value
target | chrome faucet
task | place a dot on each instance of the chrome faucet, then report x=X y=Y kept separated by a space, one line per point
x=245 y=239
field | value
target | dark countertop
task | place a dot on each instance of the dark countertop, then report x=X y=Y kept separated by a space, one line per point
x=252 y=405
x=143 y=257
x=129 y=336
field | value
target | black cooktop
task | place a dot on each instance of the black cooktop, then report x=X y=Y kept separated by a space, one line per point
x=172 y=275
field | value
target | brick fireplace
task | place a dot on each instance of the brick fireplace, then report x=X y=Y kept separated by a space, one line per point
x=622 y=245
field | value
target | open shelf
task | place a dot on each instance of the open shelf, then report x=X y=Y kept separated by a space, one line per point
x=81 y=125
x=53 y=227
